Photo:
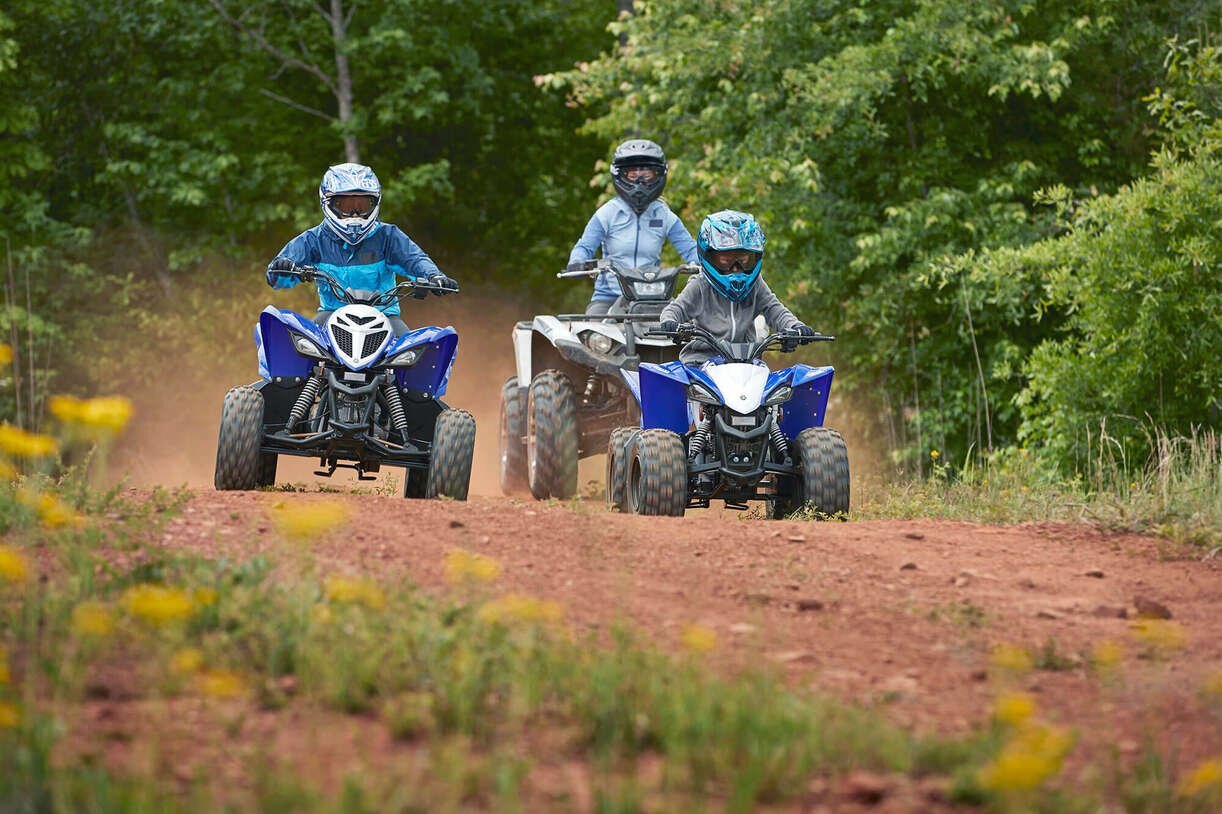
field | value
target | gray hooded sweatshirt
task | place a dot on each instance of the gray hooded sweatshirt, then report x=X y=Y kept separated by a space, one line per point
x=733 y=321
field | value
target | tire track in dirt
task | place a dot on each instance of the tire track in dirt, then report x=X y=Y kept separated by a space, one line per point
x=897 y=614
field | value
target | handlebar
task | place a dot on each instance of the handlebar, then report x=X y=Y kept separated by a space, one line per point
x=592 y=268
x=788 y=341
x=312 y=274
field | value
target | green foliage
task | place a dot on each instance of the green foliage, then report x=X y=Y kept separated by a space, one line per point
x=878 y=141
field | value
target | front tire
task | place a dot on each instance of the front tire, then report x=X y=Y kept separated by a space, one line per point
x=453 y=449
x=551 y=436
x=657 y=473
x=238 y=461
x=509 y=440
x=617 y=469
x=823 y=460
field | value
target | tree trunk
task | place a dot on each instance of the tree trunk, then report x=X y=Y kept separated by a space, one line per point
x=343 y=81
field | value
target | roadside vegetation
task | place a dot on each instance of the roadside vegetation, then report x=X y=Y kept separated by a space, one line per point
x=135 y=677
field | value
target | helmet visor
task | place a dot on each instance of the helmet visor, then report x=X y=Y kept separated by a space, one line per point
x=353 y=206
x=640 y=175
x=734 y=261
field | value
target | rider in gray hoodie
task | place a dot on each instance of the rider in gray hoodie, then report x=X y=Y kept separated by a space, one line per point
x=729 y=294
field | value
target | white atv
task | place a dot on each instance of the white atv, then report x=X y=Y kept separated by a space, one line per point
x=568 y=393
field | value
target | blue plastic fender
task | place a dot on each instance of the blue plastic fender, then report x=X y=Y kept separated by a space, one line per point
x=277 y=356
x=811 y=388
x=663 y=396
x=431 y=373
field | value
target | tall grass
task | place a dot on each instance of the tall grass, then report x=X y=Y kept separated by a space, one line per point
x=1174 y=490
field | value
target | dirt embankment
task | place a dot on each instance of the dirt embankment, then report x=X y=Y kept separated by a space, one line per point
x=899 y=614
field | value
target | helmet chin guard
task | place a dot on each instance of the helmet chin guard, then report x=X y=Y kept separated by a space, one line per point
x=638 y=153
x=350 y=179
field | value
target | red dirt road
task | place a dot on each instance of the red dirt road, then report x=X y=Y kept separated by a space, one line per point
x=899 y=614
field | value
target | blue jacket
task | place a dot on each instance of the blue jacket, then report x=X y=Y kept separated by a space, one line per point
x=371 y=265
x=631 y=240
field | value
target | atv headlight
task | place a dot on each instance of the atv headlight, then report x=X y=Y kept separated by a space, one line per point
x=654 y=289
x=406 y=358
x=779 y=396
x=599 y=343
x=308 y=347
x=699 y=392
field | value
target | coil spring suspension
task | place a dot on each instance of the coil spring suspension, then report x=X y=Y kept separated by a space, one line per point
x=700 y=437
x=779 y=442
x=394 y=400
x=591 y=384
x=304 y=401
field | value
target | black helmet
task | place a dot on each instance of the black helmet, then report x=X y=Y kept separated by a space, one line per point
x=638 y=192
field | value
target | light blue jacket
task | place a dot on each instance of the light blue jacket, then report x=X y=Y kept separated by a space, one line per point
x=631 y=240
x=371 y=265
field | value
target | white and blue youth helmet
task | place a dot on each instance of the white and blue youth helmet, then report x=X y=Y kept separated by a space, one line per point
x=350 y=195
x=730 y=246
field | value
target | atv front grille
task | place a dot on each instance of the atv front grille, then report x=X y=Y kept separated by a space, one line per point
x=343 y=338
x=373 y=341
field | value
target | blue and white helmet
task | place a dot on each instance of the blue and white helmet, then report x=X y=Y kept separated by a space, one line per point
x=731 y=251
x=350 y=195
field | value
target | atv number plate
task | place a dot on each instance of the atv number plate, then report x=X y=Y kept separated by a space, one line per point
x=350 y=376
x=742 y=420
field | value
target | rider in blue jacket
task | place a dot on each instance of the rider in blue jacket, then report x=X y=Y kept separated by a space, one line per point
x=632 y=227
x=354 y=247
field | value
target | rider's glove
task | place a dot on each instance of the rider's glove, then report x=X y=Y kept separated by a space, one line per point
x=448 y=284
x=796 y=333
x=668 y=326
x=278 y=265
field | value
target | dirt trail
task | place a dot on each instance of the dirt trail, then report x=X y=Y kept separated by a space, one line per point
x=899 y=614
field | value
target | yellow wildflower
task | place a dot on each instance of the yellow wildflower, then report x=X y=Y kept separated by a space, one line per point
x=520 y=608
x=186 y=661
x=934 y=454
x=1014 y=708
x=10 y=715
x=306 y=520
x=52 y=512
x=1106 y=656
x=697 y=638
x=321 y=614
x=157 y=604
x=8 y=471
x=1207 y=776
x=13 y=565
x=221 y=683
x=464 y=566
x=1160 y=636
x=203 y=597
x=108 y=414
x=355 y=591
x=93 y=619
x=1010 y=659
x=18 y=442
x=6 y=354
x=1026 y=762
x=1213 y=686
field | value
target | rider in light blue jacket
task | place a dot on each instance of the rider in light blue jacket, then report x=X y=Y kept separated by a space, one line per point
x=353 y=246
x=632 y=227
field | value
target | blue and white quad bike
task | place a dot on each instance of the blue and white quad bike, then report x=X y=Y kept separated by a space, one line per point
x=730 y=430
x=350 y=393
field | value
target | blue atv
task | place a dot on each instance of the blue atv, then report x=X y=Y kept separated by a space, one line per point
x=350 y=393
x=730 y=430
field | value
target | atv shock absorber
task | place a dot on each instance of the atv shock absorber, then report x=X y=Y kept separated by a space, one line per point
x=591 y=384
x=700 y=437
x=304 y=401
x=394 y=400
x=779 y=442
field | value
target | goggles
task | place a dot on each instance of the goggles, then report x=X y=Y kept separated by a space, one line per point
x=353 y=206
x=643 y=175
x=734 y=260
